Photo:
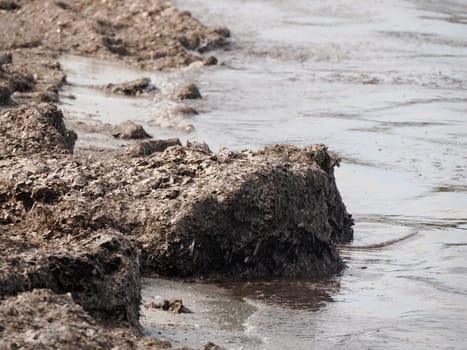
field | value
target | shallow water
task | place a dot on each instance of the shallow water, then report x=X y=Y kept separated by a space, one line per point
x=383 y=84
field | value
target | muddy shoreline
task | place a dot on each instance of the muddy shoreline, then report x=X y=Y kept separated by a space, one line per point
x=79 y=230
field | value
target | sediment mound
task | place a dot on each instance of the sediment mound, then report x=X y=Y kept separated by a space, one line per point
x=100 y=270
x=151 y=34
x=274 y=212
x=44 y=320
x=129 y=131
x=34 y=129
x=78 y=223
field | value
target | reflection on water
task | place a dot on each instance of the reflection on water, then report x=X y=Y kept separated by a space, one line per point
x=294 y=294
x=384 y=84
x=224 y=313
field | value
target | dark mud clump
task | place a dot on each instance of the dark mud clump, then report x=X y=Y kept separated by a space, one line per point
x=4 y=59
x=271 y=213
x=32 y=130
x=132 y=88
x=189 y=92
x=173 y=305
x=5 y=93
x=130 y=131
x=100 y=269
x=9 y=6
x=42 y=319
x=210 y=61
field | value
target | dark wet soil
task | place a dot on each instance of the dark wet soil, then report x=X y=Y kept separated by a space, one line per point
x=189 y=91
x=32 y=320
x=131 y=88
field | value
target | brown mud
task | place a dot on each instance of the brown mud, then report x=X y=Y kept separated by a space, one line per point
x=149 y=34
x=131 y=88
x=189 y=92
x=173 y=305
x=273 y=212
x=78 y=230
x=44 y=320
x=130 y=131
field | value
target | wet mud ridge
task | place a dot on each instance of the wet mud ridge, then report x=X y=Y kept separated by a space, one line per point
x=87 y=224
x=152 y=35
x=77 y=231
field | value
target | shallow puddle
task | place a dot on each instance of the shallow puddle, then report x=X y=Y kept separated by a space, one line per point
x=90 y=110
